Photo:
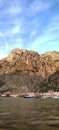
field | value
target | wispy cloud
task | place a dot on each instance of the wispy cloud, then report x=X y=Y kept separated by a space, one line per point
x=13 y=30
x=14 y=10
x=18 y=43
x=49 y=37
x=30 y=24
x=38 y=6
x=10 y=8
x=33 y=33
x=4 y=39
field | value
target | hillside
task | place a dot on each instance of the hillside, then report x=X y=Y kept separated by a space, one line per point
x=23 y=71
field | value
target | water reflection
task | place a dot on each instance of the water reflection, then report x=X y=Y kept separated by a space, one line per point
x=29 y=114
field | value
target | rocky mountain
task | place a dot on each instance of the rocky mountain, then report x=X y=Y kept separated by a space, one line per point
x=23 y=70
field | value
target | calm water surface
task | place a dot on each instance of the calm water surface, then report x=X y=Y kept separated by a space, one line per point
x=29 y=114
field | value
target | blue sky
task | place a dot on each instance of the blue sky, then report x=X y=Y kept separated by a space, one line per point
x=29 y=24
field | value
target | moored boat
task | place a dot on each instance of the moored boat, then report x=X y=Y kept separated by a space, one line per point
x=29 y=95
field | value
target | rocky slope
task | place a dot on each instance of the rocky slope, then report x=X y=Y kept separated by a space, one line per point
x=23 y=71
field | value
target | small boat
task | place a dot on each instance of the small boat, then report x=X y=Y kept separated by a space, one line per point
x=28 y=96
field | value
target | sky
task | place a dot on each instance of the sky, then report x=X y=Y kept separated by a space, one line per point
x=29 y=24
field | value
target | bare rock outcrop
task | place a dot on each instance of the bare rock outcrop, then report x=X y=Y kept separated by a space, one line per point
x=23 y=70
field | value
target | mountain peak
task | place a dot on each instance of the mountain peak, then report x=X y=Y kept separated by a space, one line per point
x=17 y=54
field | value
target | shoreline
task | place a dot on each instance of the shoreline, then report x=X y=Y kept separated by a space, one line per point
x=32 y=95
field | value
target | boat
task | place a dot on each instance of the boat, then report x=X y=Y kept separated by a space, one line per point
x=28 y=96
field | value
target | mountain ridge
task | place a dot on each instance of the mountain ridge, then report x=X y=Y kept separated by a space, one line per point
x=23 y=70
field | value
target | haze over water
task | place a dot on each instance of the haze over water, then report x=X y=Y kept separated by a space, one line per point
x=29 y=114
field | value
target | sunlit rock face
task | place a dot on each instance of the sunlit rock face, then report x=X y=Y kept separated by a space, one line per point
x=23 y=70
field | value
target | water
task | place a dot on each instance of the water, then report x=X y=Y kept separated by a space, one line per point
x=29 y=114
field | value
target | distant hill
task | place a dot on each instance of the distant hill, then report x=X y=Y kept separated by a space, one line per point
x=23 y=71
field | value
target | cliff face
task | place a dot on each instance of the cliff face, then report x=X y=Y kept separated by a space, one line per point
x=24 y=70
